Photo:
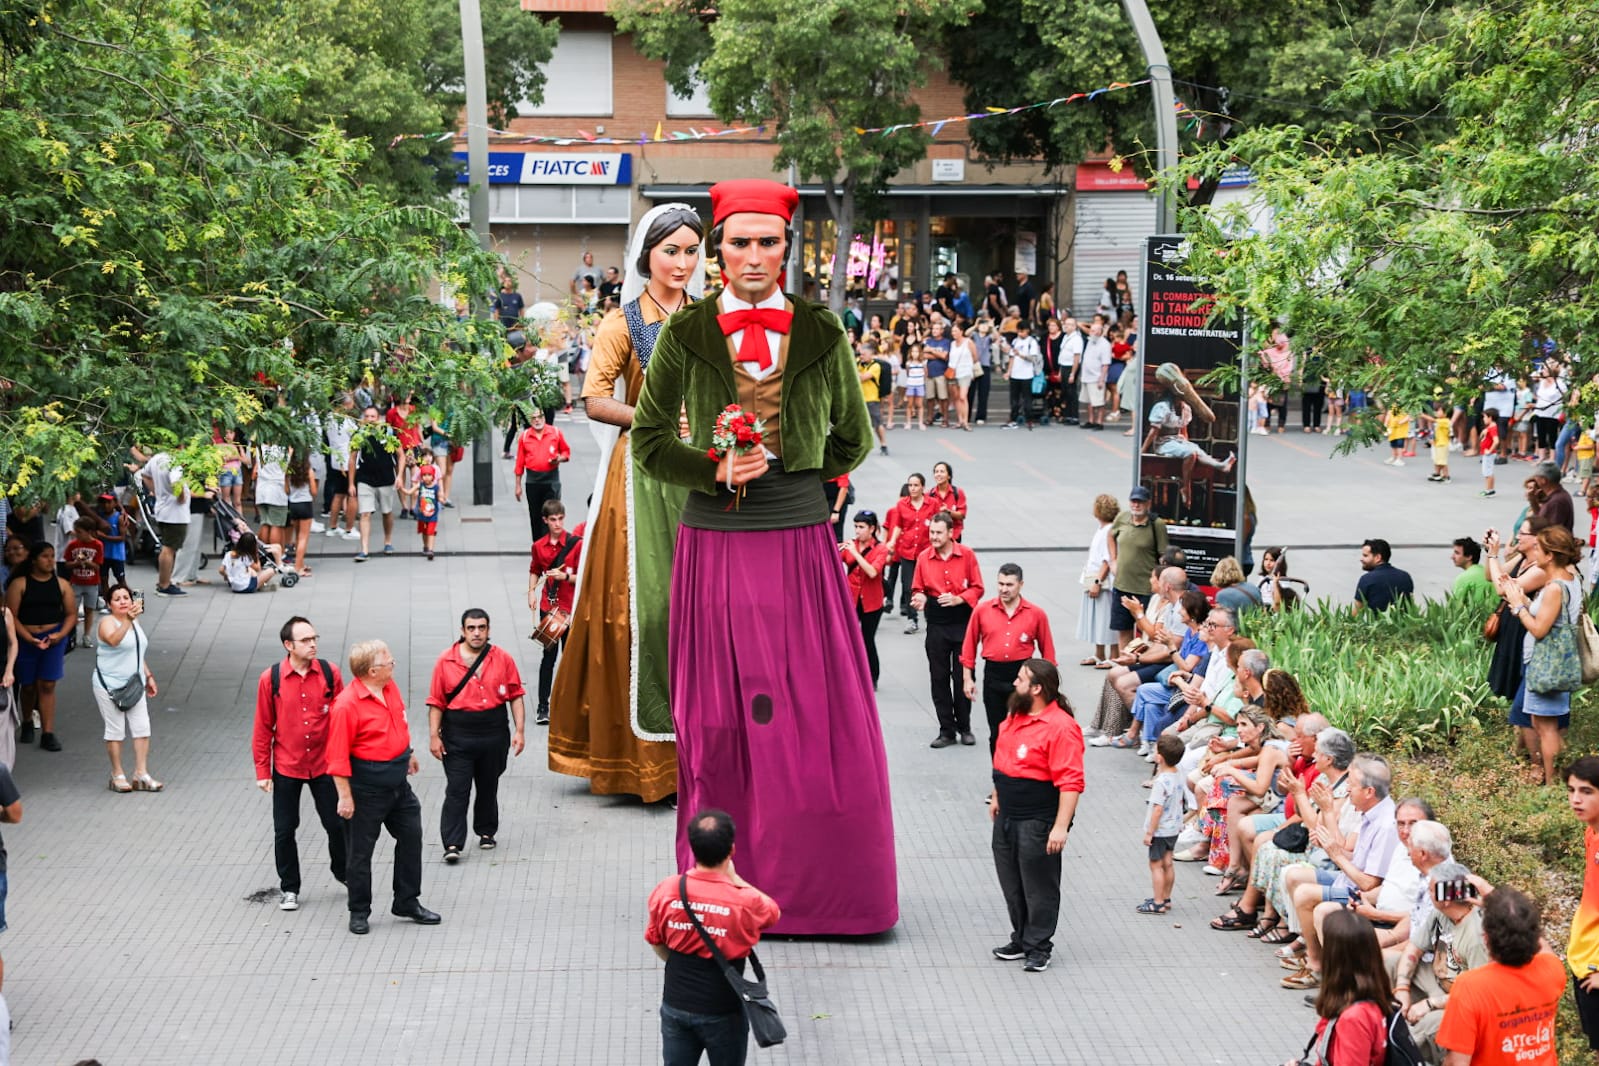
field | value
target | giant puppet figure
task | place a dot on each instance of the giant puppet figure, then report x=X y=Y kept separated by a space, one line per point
x=776 y=721
x=610 y=720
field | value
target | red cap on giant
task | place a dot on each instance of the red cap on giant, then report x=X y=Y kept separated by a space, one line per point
x=756 y=195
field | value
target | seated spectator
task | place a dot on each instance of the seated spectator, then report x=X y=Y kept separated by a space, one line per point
x=1472 y=579
x=1392 y=906
x=1351 y=1026
x=1383 y=584
x=1284 y=700
x=1210 y=724
x=1444 y=945
x=1145 y=657
x=1217 y=779
x=1156 y=704
x=1314 y=796
x=1231 y=588
x=1512 y=1001
x=243 y=569
x=1360 y=865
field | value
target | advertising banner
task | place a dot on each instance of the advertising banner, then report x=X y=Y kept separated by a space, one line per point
x=1190 y=454
x=556 y=168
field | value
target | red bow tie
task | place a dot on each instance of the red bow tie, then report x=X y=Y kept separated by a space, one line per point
x=755 y=321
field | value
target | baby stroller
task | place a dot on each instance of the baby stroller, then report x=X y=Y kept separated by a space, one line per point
x=144 y=537
x=229 y=525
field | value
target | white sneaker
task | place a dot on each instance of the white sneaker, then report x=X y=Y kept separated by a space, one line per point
x=335 y=531
x=1144 y=749
x=291 y=902
x=317 y=527
x=1399 y=462
x=1390 y=461
x=1210 y=871
x=350 y=534
x=1150 y=757
x=1101 y=741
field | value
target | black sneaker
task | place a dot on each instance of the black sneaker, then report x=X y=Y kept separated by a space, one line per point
x=1037 y=962
x=968 y=740
x=541 y=716
x=941 y=741
x=1009 y=952
x=452 y=855
x=27 y=733
x=48 y=742
x=486 y=843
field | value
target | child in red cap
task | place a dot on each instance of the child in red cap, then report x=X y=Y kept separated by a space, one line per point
x=427 y=507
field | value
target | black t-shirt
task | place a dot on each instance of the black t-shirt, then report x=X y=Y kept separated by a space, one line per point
x=8 y=796
x=28 y=530
x=376 y=467
x=609 y=289
x=508 y=305
x=1382 y=586
x=1025 y=297
x=696 y=984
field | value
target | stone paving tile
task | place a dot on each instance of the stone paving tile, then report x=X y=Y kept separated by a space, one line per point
x=144 y=928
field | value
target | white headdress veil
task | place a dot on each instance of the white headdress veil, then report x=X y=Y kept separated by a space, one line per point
x=634 y=279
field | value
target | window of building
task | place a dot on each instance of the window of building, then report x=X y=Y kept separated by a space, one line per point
x=577 y=79
x=875 y=259
x=695 y=105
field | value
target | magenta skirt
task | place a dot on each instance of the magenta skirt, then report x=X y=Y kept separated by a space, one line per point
x=777 y=725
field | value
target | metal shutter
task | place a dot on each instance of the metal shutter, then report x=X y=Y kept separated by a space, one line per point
x=1111 y=227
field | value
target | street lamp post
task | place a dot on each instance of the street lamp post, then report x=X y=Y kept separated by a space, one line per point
x=1165 y=114
x=477 y=172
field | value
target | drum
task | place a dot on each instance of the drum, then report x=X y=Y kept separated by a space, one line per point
x=552 y=627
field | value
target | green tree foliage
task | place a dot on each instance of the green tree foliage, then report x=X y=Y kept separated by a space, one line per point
x=1417 y=266
x=816 y=73
x=382 y=69
x=165 y=266
x=1253 y=63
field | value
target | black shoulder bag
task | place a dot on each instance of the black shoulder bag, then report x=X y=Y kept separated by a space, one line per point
x=127 y=695
x=458 y=689
x=759 y=1010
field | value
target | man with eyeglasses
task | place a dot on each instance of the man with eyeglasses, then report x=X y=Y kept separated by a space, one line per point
x=370 y=758
x=290 y=747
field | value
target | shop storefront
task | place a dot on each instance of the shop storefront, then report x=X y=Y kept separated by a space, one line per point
x=1114 y=213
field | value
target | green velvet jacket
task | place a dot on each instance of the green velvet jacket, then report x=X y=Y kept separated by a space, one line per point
x=825 y=425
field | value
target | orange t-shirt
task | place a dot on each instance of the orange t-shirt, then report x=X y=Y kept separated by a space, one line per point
x=1505 y=1016
x=1582 y=950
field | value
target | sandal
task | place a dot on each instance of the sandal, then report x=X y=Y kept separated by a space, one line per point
x=119 y=783
x=1104 y=664
x=1235 y=919
x=1264 y=926
x=1231 y=882
x=1090 y=661
x=1149 y=906
x=1304 y=980
x=1280 y=935
x=145 y=783
x=1123 y=742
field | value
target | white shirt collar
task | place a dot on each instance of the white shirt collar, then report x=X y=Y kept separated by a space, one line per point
x=728 y=302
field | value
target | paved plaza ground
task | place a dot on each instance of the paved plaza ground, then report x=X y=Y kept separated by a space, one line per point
x=144 y=928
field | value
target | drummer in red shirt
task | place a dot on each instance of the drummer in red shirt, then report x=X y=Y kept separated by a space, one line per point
x=865 y=559
x=369 y=756
x=540 y=451
x=1009 y=630
x=946 y=497
x=555 y=565
x=907 y=537
x=947 y=584
x=1038 y=779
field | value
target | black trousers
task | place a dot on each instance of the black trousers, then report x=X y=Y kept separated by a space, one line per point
x=539 y=486
x=977 y=409
x=380 y=807
x=1072 y=412
x=475 y=753
x=869 y=620
x=512 y=428
x=1030 y=879
x=1020 y=390
x=944 y=640
x=999 y=681
x=547 y=663
x=1277 y=401
x=286 y=821
x=1311 y=406
x=900 y=573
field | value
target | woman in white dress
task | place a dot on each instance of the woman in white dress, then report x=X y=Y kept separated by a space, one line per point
x=962 y=357
x=1093 y=621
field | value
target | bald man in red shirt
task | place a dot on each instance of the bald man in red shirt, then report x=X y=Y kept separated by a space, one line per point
x=1008 y=631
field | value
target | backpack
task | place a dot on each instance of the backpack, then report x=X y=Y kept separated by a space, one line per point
x=885 y=377
x=327 y=675
x=1401 y=1047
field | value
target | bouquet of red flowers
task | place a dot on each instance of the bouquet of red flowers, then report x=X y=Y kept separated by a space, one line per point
x=737 y=431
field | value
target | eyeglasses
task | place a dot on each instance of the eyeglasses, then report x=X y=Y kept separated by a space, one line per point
x=305 y=640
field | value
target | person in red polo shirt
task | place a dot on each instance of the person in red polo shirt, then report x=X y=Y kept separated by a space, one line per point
x=1009 y=630
x=369 y=756
x=1038 y=778
x=474 y=684
x=550 y=587
x=865 y=559
x=291 y=751
x=700 y=1014
x=907 y=538
x=946 y=497
x=540 y=451
x=947 y=585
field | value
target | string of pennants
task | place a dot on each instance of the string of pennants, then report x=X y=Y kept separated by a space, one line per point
x=662 y=136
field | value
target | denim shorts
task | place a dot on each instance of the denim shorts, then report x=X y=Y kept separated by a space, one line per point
x=230 y=477
x=1331 y=890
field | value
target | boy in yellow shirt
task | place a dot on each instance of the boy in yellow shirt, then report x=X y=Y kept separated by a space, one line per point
x=1585 y=453
x=1398 y=423
x=1440 y=442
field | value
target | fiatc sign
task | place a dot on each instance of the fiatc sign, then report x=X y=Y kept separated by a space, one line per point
x=556 y=168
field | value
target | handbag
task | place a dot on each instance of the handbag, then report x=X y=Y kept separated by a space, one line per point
x=128 y=694
x=765 y=1024
x=1040 y=382
x=977 y=371
x=1587 y=644
x=1490 y=628
x=1556 y=663
x=1293 y=838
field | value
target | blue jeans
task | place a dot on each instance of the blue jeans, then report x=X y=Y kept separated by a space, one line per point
x=722 y=1038
x=1568 y=433
x=1150 y=707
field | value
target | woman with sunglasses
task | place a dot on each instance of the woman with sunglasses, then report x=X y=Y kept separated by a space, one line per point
x=865 y=559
